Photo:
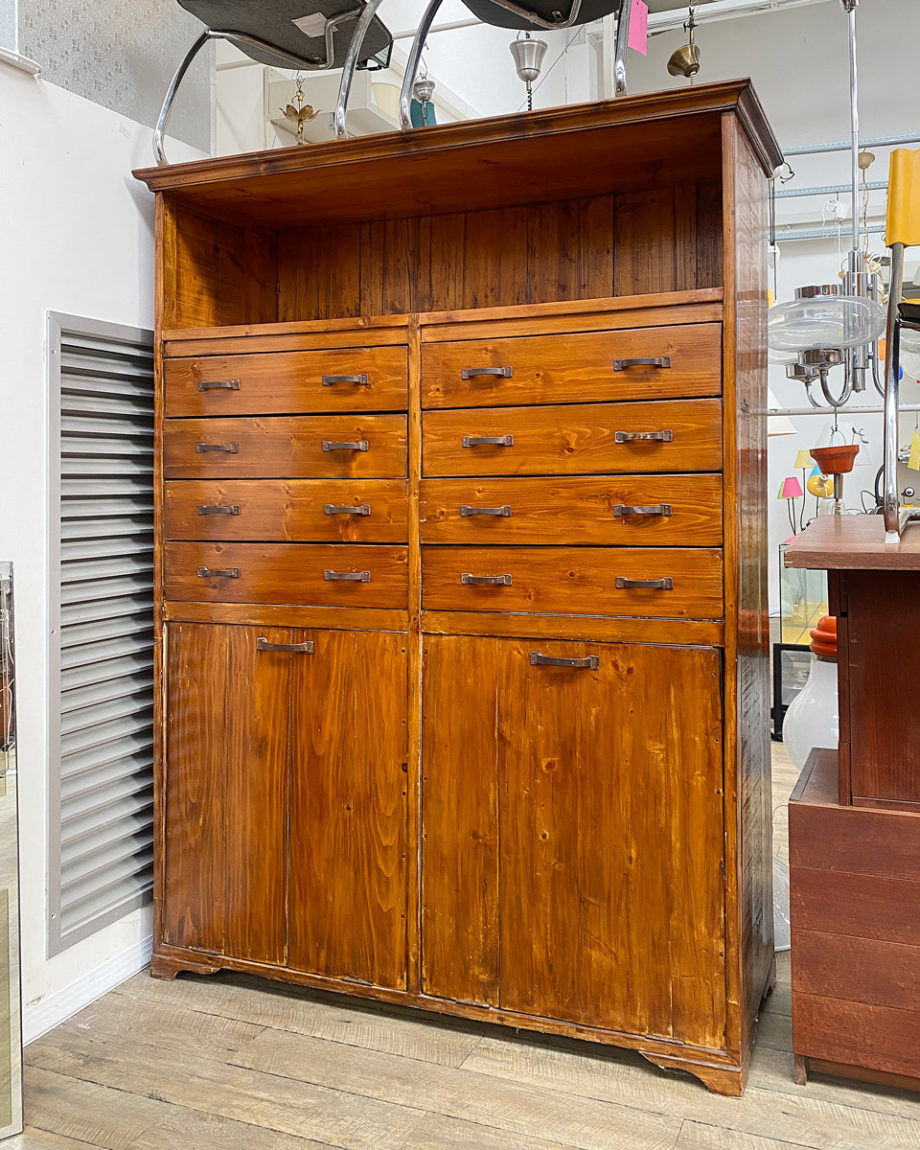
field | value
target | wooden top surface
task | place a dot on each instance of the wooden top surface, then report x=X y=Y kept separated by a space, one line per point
x=854 y=543
x=818 y=781
x=639 y=141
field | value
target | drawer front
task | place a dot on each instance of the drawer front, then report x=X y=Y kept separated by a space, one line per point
x=582 y=367
x=633 y=510
x=330 y=446
x=287 y=573
x=591 y=438
x=683 y=583
x=347 y=379
x=288 y=510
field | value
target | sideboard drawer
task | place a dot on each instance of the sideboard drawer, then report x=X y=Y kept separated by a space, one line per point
x=587 y=438
x=288 y=510
x=322 y=446
x=333 y=574
x=585 y=367
x=676 y=583
x=669 y=510
x=343 y=379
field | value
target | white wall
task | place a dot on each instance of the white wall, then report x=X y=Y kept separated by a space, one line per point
x=77 y=238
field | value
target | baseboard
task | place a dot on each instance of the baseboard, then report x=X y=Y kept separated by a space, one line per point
x=57 y=1008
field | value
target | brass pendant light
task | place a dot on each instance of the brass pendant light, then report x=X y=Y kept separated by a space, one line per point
x=686 y=60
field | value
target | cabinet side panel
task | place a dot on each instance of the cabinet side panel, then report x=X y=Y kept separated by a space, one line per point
x=348 y=825
x=226 y=778
x=460 y=819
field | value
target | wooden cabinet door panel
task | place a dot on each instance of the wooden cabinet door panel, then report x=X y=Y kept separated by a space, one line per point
x=348 y=815
x=602 y=787
x=226 y=790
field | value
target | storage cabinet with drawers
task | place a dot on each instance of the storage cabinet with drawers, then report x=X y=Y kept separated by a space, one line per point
x=461 y=594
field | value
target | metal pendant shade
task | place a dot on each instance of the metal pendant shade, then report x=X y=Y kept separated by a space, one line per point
x=518 y=15
x=528 y=58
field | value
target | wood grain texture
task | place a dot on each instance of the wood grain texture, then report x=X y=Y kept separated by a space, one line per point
x=287 y=510
x=860 y=906
x=872 y=971
x=226 y=791
x=575 y=510
x=709 y=633
x=579 y=369
x=278 y=382
x=289 y=615
x=853 y=542
x=287 y=573
x=349 y=785
x=575 y=439
x=577 y=581
x=841 y=1030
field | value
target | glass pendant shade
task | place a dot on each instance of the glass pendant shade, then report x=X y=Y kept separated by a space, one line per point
x=823 y=318
x=909 y=356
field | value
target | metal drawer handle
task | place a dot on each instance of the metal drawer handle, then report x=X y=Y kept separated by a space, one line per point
x=622 y=509
x=486 y=580
x=361 y=380
x=667 y=584
x=356 y=445
x=206 y=509
x=347 y=576
x=591 y=662
x=633 y=436
x=218 y=385
x=466 y=511
x=651 y=361
x=472 y=372
x=360 y=509
x=490 y=440
x=291 y=648
x=218 y=572
x=229 y=448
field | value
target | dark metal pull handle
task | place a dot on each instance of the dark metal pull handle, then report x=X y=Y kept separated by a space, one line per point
x=347 y=576
x=590 y=662
x=486 y=580
x=650 y=361
x=361 y=380
x=666 y=584
x=229 y=448
x=360 y=509
x=634 y=436
x=218 y=385
x=355 y=445
x=206 y=509
x=218 y=572
x=472 y=372
x=291 y=648
x=466 y=511
x=490 y=440
x=622 y=509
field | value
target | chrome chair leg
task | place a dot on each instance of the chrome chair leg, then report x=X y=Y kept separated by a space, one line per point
x=351 y=63
x=891 y=503
x=159 y=132
x=622 y=43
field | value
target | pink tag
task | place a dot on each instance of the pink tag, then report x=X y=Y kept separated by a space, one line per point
x=638 y=27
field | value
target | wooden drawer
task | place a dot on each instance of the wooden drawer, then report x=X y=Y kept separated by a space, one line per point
x=279 y=382
x=588 y=438
x=682 y=510
x=287 y=573
x=288 y=510
x=324 y=446
x=581 y=367
x=574 y=581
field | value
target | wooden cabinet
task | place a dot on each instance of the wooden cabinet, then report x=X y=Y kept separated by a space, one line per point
x=479 y=432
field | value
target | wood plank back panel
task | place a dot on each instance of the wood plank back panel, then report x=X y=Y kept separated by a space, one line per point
x=226 y=791
x=866 y=906
x=575 y=510
x=286 y=446
x=578 y=581
x=840 y=1030
x=287 y=510
x=270 y=383
x=348 y=810
x=859 y=969
x=575 y=439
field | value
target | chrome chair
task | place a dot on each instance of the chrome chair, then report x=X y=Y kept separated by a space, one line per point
x=310 y=35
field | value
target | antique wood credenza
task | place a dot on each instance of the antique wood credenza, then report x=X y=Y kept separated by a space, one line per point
x=461 y=587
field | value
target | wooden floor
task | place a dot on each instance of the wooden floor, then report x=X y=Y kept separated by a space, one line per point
x=232 y=1063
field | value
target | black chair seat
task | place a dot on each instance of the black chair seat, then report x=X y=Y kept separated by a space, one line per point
x=490 y=13
x=273 y=22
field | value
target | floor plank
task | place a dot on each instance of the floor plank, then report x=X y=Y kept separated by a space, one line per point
x=435 y=1132
x=697 y=1136
x=186 y=1128
x=85 y=1111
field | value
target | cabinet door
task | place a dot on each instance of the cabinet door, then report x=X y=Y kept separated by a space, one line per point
x=572 y=833
x=226 y=782
x=349 y=782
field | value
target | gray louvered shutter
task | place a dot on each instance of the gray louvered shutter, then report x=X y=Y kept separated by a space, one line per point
x=101 y=703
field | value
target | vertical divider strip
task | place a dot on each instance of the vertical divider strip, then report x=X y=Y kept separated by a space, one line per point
x=414 y=685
